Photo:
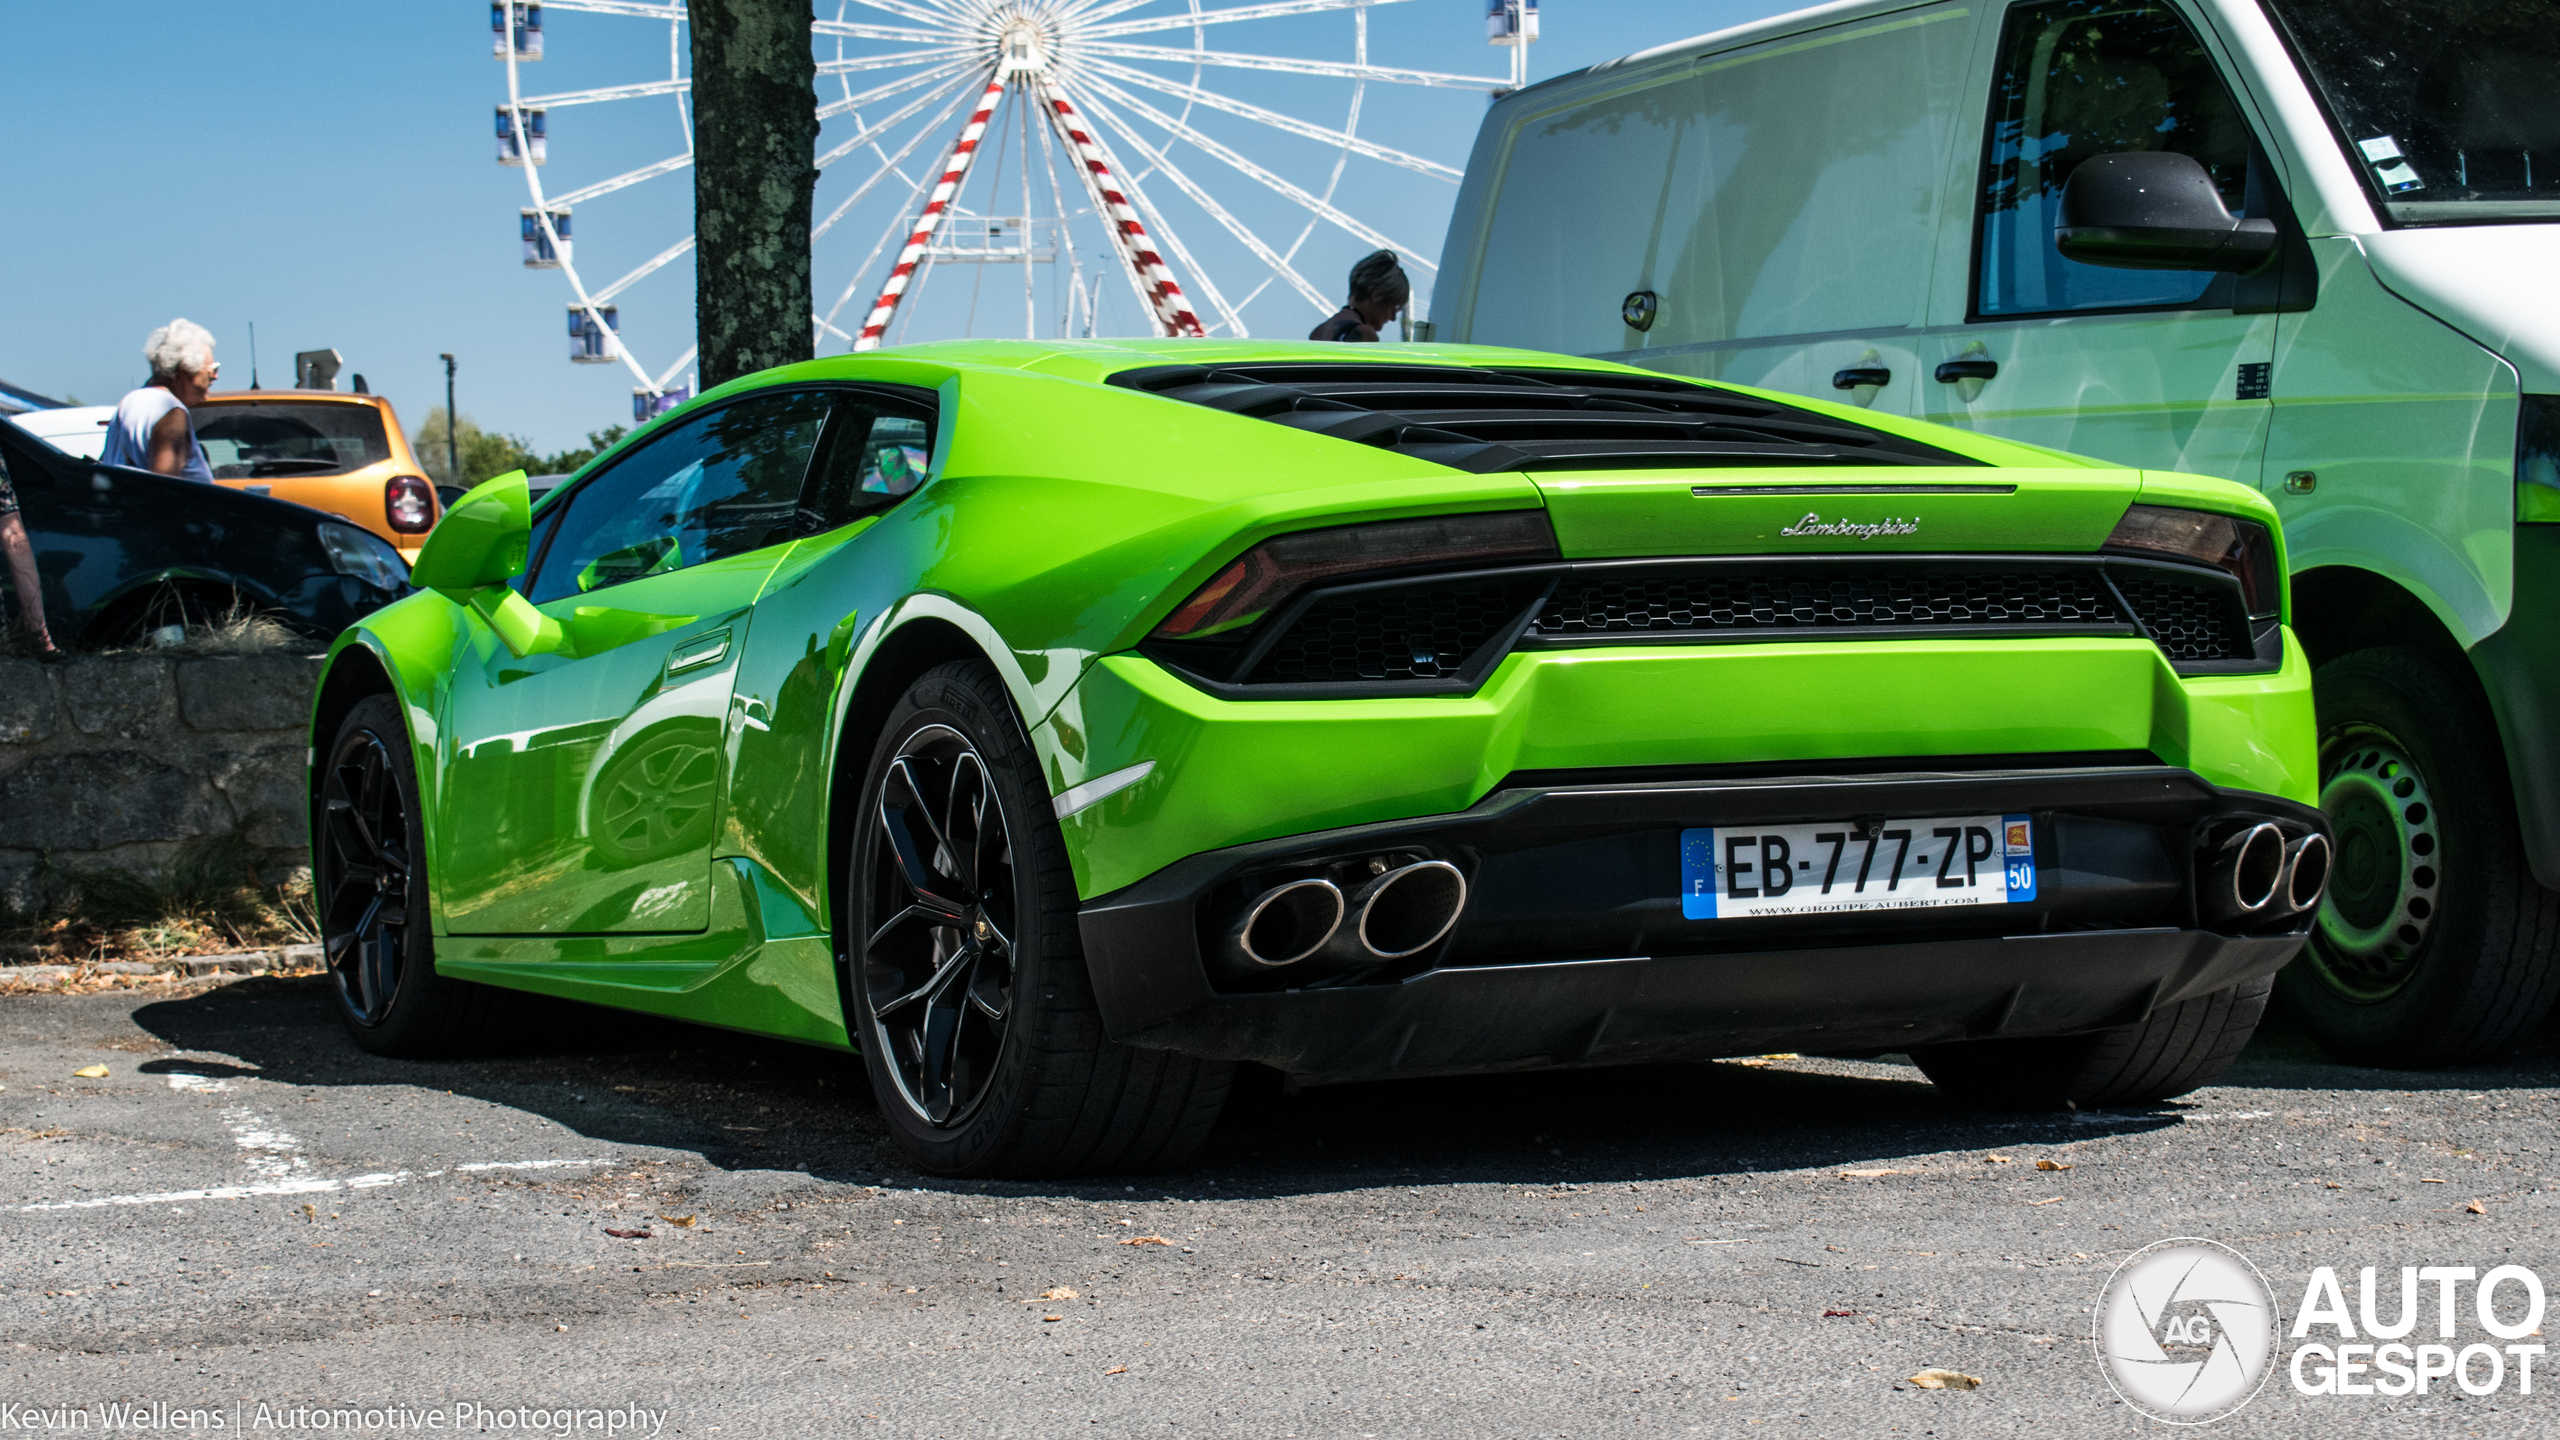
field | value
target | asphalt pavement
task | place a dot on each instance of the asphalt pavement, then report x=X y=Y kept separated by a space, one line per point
x=246 y=1212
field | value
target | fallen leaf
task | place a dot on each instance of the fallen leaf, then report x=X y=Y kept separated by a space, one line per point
x=1047 y=1318
x=1866 y=1174
x=91 y=1072
x=1995 y=1159
x=2051 y=1165
x=681 y=1222
x=1946 y=1380
x=1146 y=1240
x=2048 y=1200
x=1117 y=1370
x=2332 y=1184
x=1783 y=1055
x=2423 y=1180
x=2476 y=1208
x=1061 y=1292
x=627 y=1234
x=1837 y=1314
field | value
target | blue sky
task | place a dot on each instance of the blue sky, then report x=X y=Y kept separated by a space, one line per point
x=327 y=171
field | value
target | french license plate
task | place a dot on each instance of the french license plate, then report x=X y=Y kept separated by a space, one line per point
x=1833 y=866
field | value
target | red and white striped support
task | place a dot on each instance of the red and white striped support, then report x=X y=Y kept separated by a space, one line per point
x=1173 y=312
x=954 y=171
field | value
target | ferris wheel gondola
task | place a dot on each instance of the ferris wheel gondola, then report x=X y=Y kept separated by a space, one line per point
x=1039 y=139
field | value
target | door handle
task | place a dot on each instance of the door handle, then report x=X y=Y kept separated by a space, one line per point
x=1955 y=370
x=1857 y=375
x=700 y=651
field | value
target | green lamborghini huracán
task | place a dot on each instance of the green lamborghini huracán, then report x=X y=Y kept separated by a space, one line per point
x=1061 y=725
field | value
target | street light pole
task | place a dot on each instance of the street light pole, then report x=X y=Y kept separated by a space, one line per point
x=452 y=446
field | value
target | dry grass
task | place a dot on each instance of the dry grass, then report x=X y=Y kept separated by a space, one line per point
x=212 y=901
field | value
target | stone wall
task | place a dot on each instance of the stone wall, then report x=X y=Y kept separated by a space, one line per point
x=114 y=762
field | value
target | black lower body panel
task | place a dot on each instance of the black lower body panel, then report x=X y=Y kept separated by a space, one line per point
x=1572 y=949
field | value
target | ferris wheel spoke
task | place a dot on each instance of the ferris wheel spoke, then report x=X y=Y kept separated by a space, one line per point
x=854 y=30
x=899 y=86
x=957 y=91
x=1201 y=197
x=646 y=268
x=1155 y=216
x=894 y=59
x=1255 y=172
x=640 y=9
x=628 y=177
x=607 y=93
x=1276 y=120
x=871 y=133
x=921 y=14
x=1214 y=17
x=888 y=232
x=659 y=385
x=1289 y=65
x=1094 y=166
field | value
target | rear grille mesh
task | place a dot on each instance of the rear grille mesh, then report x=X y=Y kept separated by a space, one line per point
x=1392 y=634
x=1925 y=600
x=2189 y=622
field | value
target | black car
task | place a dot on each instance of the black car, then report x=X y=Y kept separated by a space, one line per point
x=122 y=552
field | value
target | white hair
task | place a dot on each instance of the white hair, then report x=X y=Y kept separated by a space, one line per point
x=179 y=347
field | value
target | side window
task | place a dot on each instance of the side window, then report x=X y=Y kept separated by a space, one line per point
x=2079 y=78
x=877 y=453
x=540 y=536
x=720 y=484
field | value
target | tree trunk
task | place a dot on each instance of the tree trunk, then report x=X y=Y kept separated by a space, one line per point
x=755 y=132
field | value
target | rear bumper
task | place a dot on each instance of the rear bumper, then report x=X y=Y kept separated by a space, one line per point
x=1573 y=950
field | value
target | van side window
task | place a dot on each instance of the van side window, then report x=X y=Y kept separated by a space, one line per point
x=876 y=453
x=2079 y=78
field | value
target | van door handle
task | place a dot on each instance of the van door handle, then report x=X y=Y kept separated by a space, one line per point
x=700 y=651
x=1955 y=370
x=1857 y=375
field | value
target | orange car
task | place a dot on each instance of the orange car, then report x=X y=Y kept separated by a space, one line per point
x=326 y=449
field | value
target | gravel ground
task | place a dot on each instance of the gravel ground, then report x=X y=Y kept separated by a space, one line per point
x=245 y=1210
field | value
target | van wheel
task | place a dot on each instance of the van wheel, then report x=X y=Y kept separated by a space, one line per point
x=2435 y=945
x=2182 y=1047
x=370 y=886
x=966 y=985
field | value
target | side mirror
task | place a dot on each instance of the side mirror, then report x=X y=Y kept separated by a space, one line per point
x=2153 y=210
x=480 y=542
x=475 y=550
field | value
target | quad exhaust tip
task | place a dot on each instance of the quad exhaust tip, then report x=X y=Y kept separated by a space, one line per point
x=1286 y=924
x=2306 y=873
x=2244 y=874
x=1394 y=914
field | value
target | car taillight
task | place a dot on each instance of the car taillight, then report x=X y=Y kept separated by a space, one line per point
x=1271 y=571
x=2244 y=548
x=409 y=503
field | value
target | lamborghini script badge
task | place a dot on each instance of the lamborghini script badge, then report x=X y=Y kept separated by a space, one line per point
x=1814 y=524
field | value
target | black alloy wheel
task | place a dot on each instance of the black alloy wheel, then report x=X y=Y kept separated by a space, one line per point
x=365 y=878
x=370 y=882
x=939 y=970
x=964 y=973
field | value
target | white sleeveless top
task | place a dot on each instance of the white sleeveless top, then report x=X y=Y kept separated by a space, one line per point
x=129 y=434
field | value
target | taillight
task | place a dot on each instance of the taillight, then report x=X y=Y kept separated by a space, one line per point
x=2244 y=548
x=409 y=503
x=1273 y=570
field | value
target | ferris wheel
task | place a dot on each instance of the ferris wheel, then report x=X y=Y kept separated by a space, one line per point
x=1133 y=166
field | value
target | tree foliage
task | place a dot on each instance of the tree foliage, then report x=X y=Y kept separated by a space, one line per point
x=486 y=453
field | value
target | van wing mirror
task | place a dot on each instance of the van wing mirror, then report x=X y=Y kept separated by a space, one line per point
x=2154 y=210
x=480 y=542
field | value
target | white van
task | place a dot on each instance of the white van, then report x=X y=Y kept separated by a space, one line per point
x=1875 y=202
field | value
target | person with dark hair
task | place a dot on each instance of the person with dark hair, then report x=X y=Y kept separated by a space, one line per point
x=1378 y=291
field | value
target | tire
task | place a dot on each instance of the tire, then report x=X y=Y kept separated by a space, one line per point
x=369 y=878
x=2182 y=1047
x=2435 y=945
x=965 y=978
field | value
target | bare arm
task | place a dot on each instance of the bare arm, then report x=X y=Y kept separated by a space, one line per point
x=169 y=443
x=22 y=572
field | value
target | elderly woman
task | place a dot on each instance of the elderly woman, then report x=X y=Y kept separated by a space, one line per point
x=152 y=430
x=1378 y=290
